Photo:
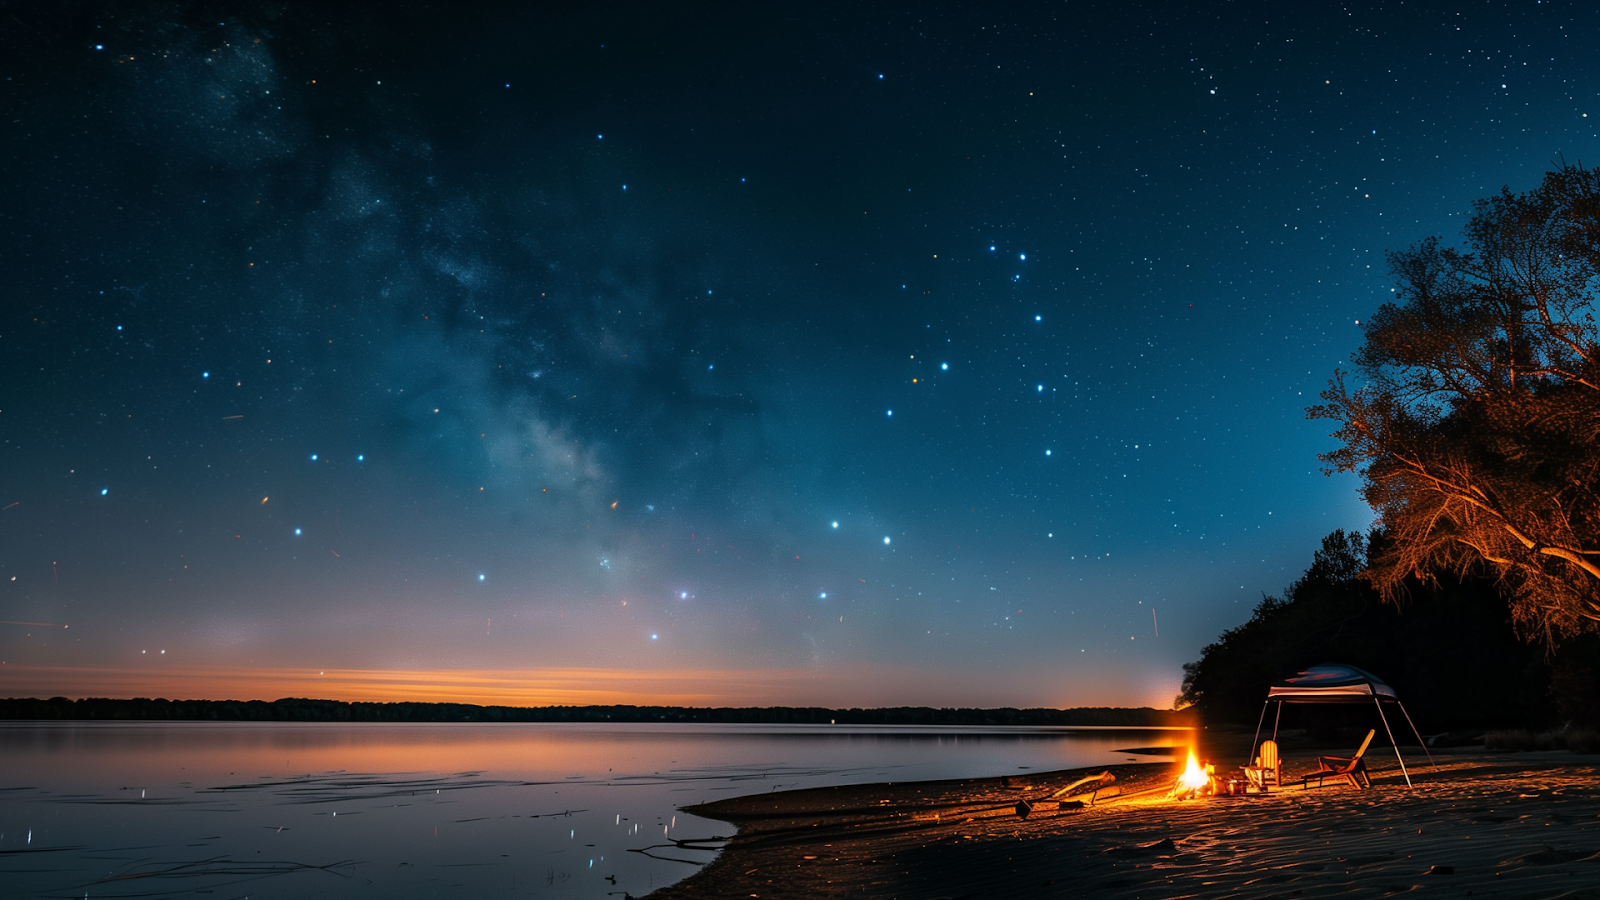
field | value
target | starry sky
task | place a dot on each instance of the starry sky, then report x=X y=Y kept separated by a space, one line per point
x=842 y=354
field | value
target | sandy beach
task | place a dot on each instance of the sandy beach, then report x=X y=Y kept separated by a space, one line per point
x=1483 y=825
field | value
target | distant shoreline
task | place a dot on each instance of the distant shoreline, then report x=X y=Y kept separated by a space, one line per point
x=305 y=710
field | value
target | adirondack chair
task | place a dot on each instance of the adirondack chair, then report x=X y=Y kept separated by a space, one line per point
x=1352 y=769
x=1268 y=768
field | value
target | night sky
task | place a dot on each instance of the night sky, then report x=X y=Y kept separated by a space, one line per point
x=838 y=355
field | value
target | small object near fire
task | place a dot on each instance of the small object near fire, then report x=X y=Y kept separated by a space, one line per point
x=1023 y=808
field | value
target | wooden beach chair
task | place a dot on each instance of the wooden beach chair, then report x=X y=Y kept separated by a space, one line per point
x=1268 y=768
x=1352 y=769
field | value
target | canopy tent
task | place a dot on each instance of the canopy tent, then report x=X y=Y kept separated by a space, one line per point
x=1335 y=683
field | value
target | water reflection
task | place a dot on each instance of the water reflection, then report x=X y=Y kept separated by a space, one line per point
x=395 y=810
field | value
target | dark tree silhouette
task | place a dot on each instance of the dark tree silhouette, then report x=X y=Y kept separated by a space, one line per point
x=1477 y=430
x=1451 y=652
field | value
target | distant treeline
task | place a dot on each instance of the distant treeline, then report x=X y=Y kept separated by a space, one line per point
x=301 y=710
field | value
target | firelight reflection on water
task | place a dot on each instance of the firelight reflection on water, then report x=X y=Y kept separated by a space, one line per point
x=536 y=810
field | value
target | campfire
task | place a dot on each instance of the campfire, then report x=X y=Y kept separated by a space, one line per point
x=1195 y=780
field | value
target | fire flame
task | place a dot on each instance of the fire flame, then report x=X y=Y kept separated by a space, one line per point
x=1194 y=777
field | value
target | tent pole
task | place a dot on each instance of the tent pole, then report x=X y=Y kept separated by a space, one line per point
x=1392 y=740
x=1253 y=741
x=1418 y=734
x=1276 y=718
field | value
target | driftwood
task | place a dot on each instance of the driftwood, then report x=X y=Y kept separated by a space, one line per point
x=1093 y=783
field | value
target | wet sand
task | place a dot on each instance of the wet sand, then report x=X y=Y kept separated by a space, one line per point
x=1516 y=825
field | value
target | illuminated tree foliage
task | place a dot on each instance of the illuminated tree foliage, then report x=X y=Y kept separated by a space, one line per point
x=1476 y=424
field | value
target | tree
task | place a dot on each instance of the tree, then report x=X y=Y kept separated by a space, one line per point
x=1282 y=635
x=1332 y=615
x=1477 y=430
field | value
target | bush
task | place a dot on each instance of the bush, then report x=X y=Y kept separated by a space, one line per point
x=1583 y=740
x=1577 y=740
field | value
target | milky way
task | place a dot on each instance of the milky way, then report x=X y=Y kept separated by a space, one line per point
x=835 y=356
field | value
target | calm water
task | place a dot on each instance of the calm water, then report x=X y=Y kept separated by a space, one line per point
x=402 y=811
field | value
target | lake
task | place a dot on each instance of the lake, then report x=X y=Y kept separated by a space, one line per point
x=270 y=810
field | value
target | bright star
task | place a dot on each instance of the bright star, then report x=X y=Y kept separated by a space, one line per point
x=313 y=457
x=1038 y=318
x=1022 y=256
x=823 y=595
x=991 y=248
x=683 y=595
x=944 y=366
x=205 y=374
x=480 y=576
x=599 y=137
x=103 y=46
x=297 y=532
x=1041 y=389
x=891 y=412
x=880 y=78
x=886 y=539
x=104 y=491
x=361 y=457
x=653 y=637
x=1047 y=453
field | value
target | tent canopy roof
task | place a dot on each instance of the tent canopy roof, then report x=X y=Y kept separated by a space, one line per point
x=1331 y=683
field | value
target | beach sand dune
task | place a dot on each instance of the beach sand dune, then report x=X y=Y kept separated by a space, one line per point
x=1523 y=826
